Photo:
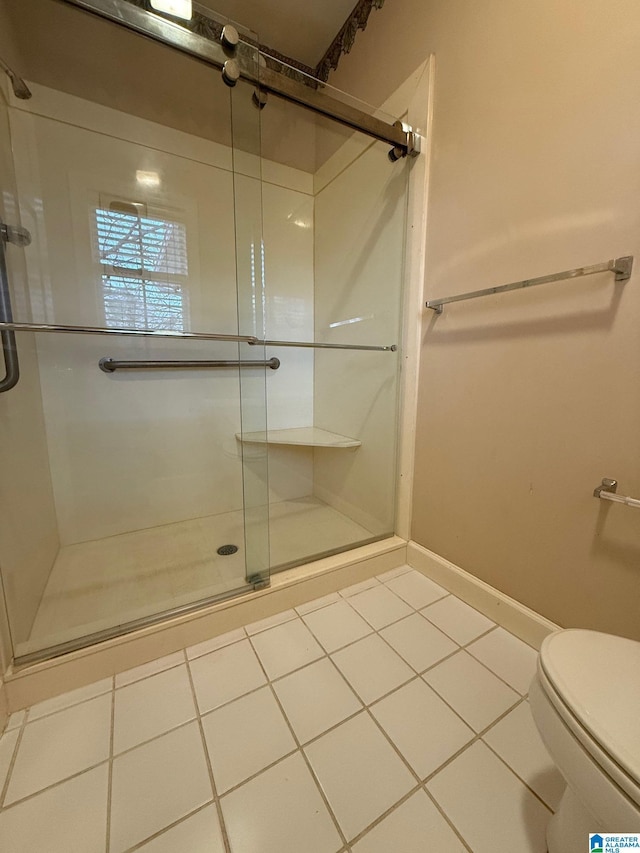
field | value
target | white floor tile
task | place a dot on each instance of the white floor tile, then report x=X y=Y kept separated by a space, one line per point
x=507 y=656
x=416 y=589
x=360 y=773
x=491 y=809
x=51 y=748
x=73 y=697
x=151 y=707
x=317 y=603
x=286 y=648
x=246 y=736
x=270 y=622
x=70 y=818
x=355 y=588
x=216 y=643
x=147 y=669
x=199 y=833
x=225 y=674
x=315 y=699
x=422 y=726
x=394 y=573
x=471 y=690
x=459 y=621
x=7 y=746
x=280 y=811
x=372 y=668
x=419 y=642
x=157 y=784
x=515 y=738
x=379 y=606
x=414 y=827
x=337 y=625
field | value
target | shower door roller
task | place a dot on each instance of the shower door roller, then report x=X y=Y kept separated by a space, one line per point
x=229 y=37
x=231 y=72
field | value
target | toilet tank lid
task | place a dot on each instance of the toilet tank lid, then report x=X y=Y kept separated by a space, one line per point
x=598 y=677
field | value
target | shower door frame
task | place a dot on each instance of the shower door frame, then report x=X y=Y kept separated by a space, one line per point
x=311 y=95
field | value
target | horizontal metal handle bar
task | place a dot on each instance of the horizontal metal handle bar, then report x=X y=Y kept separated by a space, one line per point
x=607 y=491
x=312 y=345
x=110 y=365
x=198 y=336
x=620 y=266
x=213 y=53
x=7 y=337
x=130 y=333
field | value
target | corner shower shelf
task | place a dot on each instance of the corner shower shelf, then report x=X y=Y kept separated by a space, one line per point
x=302 y=436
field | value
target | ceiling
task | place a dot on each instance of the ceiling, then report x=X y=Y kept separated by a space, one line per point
x=301 y=30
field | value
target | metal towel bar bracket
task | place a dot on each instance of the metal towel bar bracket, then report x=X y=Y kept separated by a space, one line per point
x=607 y=491
x=622 y=268
x=109 y=365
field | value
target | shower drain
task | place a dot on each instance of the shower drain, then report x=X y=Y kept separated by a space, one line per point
x=225 y=550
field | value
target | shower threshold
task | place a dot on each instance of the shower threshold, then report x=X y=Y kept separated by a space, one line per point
x=108 y=587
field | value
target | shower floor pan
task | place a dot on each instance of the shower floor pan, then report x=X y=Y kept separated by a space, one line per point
x=94 y=586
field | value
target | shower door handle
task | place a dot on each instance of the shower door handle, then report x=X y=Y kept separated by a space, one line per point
x=20 y=237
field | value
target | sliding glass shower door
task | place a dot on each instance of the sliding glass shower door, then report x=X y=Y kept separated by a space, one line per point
x=125 y=494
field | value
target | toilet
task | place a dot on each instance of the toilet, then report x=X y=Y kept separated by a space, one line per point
x=585 y=700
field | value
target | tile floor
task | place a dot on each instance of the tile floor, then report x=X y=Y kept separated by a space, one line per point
x=388 y=717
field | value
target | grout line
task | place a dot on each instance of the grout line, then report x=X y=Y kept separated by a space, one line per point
x=447 y=819
x=307 y=762
x=207 y=758
x=164 y=829
x=517 y=775
x=219 y=649
x=73 y=704
x=110 y=779
x=55 y=784
x=146 y=677
x=12 y=762
x=495 y=674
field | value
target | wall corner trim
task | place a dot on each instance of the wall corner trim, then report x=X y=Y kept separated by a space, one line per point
x=4 y=707
x=515 y=617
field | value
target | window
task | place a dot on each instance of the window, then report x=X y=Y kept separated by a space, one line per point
x=144 y=267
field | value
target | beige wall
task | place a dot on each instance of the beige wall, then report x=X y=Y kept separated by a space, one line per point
x=528 y=399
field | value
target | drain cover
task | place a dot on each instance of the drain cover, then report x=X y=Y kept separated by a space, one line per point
x=225 y=550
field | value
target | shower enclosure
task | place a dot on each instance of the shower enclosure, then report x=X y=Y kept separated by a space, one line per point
x=201 y=312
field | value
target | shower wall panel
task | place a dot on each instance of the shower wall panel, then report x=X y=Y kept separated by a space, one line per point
x=132 y=451
x=28 y=530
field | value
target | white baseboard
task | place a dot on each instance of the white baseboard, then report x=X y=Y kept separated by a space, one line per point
x=36 y=682
x=515 y=617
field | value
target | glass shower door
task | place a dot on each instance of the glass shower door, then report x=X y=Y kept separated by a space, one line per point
x=127 y=497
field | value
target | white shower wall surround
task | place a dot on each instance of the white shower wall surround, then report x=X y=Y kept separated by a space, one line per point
x=128 y=454
x=106 y=435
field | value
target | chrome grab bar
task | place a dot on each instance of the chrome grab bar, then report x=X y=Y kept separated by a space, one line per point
x=620 y=266
x=20 y=237
x=109 y=365
x=607 y=491
x=201 y=336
